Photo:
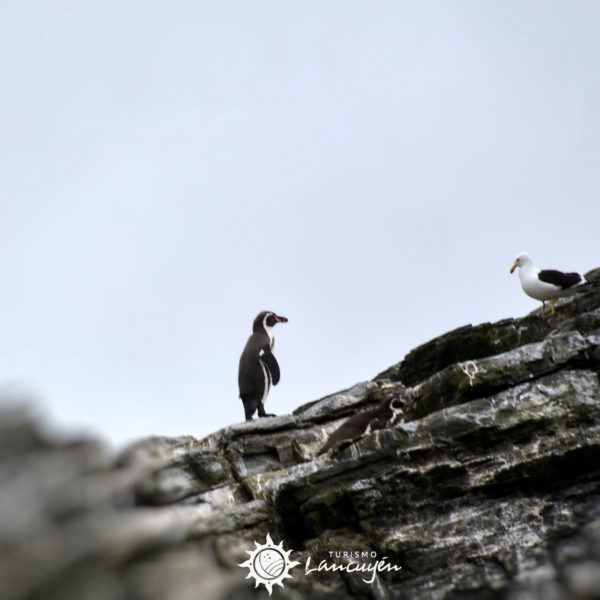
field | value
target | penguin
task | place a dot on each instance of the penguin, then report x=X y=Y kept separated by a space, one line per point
x=258 y=368
x=387 y=413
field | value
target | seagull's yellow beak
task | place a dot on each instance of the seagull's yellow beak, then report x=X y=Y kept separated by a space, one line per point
x=512 y=269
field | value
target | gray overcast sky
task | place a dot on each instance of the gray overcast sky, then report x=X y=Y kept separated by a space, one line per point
x=367 y=169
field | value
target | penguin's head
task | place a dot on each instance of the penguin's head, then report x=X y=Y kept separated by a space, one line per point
x=266 y=320
x=397 y=408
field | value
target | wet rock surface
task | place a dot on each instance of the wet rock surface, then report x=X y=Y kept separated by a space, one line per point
x=490 y=489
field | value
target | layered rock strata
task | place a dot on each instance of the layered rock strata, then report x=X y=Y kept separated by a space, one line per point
x=489 y=489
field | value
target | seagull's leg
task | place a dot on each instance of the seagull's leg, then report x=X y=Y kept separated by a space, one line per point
x=543 y=307
x=553 y=300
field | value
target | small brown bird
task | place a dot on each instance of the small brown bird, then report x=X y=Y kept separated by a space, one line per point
x=387 y=413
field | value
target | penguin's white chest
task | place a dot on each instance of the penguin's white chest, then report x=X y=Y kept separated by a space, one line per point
x=266 y=375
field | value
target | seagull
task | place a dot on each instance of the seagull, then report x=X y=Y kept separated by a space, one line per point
x=545 y=284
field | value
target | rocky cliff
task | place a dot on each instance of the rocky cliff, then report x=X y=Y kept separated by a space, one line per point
x=489 y=489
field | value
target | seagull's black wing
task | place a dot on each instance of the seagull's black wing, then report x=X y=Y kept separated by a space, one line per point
x=562 y=280
x=269 y=360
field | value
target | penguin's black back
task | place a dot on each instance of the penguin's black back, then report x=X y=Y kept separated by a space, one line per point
x=251 y=378
x=378 y=417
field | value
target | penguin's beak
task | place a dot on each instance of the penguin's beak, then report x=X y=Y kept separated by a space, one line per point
x=279 y=319
x=398 y=400
x=512 y=269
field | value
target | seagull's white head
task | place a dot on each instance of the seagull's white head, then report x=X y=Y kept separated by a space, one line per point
x=521 y=260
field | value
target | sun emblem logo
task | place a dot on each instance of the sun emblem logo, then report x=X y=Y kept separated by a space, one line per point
x=269 y=564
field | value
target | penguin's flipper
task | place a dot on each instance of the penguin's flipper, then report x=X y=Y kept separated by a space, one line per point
x=269 y=360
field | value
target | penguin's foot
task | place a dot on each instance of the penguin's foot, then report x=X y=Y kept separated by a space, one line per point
x=262 y=413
